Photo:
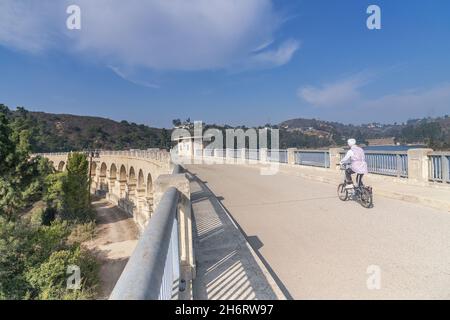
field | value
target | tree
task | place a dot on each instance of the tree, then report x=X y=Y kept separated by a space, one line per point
x=20 y=175
x=75 y=189
x=176 y=122
x=165 y=139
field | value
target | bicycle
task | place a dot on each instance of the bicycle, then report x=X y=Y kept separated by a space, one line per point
x=361 y=193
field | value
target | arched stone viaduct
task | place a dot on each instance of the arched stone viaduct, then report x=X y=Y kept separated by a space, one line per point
x=125 y=177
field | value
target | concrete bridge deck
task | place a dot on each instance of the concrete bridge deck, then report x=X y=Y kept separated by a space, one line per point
x=320 y=247
x=227 y=266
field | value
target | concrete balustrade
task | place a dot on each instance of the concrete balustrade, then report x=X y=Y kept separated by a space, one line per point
x=412 y=165
x=184 y=217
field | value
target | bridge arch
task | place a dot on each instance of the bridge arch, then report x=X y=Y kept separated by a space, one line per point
x=103 y=169
x=122 y=181
x=132 y=185
x=140 y=190
x=93 y=169
x=149 y=192
x=112 y=177
x=61 y=166
x=102 y=177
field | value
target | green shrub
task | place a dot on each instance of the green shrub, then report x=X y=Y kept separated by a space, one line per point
x=81 y=233
x=49 y=279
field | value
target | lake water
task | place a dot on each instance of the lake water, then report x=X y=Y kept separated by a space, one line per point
x=392 y=148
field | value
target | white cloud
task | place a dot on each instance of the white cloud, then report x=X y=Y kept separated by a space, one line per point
x=129 y=76
x=276 y=57
x=413 y=103
x=154 y=34
x=27 y=25
x=346 y=97
x=334 y=94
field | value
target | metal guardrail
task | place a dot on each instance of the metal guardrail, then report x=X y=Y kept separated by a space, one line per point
x=439 y=167
x=315 y=158
x=252 y=154
x=221 y=153
x=392 y=163
x=208 y=152
x=153 y=270
x=280 y=156
x=235 y=153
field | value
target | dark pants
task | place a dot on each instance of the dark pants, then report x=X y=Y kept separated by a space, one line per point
x=348 y=177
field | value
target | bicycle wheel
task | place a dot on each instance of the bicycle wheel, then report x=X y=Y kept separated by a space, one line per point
x=342 y=192
x=366 y=198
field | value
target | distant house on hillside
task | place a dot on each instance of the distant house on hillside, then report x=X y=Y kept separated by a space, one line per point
x=382 y=142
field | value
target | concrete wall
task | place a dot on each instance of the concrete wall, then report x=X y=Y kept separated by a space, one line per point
x=125 y=178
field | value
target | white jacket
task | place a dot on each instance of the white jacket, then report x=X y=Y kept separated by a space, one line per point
x=358 y=160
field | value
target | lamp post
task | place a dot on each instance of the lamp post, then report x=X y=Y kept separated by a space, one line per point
x=91 y=155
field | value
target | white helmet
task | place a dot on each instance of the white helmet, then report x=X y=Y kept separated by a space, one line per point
x=351 y=142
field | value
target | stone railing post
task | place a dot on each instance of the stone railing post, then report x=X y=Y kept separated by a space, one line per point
x=187 y=260
x=263 y=154
x=242 y=157
x=291 y=155
x=229 y=158
x=418 y=165
x=335 y=158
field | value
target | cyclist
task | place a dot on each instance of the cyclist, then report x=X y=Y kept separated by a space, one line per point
x=356 y=157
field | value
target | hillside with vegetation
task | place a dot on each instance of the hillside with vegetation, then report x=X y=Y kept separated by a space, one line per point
x=63 y=132
x=45 y=216
x=432 y=132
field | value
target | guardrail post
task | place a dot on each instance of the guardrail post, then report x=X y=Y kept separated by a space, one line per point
x=445 y=168
x=229 y=158
x=335 y=157
x=398 y=159
x=418 y=165
x=187 y=260
x=291 y=155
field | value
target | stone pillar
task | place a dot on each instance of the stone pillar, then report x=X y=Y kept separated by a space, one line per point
x=291 y=155
x=418 y=165
x=335 y=158
x=263 y=154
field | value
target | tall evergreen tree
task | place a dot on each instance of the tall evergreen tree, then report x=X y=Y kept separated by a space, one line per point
x=75 y=189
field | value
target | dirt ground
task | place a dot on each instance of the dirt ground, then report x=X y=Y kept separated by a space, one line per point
x=115 y=240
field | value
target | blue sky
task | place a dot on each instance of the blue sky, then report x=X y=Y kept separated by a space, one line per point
x=227 y=61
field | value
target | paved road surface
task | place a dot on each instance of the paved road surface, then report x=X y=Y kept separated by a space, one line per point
x=321 y=248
